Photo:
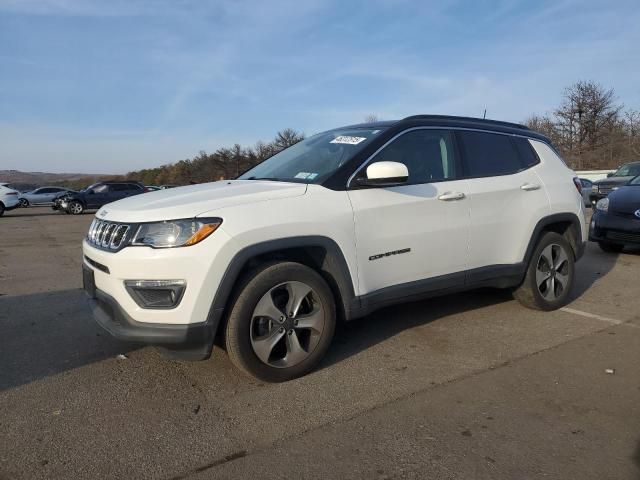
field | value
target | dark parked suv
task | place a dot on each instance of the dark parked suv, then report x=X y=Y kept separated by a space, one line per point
x=614 y=180
x=99 y=194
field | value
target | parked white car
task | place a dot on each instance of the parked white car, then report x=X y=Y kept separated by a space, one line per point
x=8 y=198
x=333 y=228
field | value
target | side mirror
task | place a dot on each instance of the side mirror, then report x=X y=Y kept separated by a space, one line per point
x=385 y=174
x=610 y=174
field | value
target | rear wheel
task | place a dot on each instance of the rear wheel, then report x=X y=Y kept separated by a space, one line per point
x=550 y=274
x=610 y=247
x=281 y=322
x=76 y=208
x=1 y=209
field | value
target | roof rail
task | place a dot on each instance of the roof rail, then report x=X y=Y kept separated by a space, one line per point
x=467 y=119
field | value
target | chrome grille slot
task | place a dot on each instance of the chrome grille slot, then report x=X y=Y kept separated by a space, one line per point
x=107 y=235
x=118 y=234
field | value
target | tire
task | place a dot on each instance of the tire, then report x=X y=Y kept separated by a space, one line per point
x=610 y=247
x=546 y=287
x=75 y=208
x=24 y=203
x=1 y=209
x=287 y=349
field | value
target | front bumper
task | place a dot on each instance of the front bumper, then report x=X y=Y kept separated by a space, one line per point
x=614 y=228
x=194 y=340
x=191 y=324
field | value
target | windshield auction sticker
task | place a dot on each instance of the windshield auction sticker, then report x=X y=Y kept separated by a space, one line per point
x=348 y=140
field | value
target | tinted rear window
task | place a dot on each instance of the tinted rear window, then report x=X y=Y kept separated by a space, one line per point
x=527 y=156
x=489 y=154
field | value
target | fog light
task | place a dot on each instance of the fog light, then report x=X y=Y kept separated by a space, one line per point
x=156 y=293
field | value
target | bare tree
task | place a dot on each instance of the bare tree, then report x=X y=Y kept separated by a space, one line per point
x=371 y=118
x=585 y=118
x=287 y=137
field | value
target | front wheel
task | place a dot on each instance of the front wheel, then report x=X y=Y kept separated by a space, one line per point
x=24 y=203
x=76 y=208
x=281 y=323
x=1 y=209
x=610 y=247
x=550 y=274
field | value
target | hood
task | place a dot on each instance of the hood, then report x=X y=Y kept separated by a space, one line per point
x=195 y=200
x=625 y=199
x=612 y=181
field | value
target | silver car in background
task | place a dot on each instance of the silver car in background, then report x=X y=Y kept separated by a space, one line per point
x=41 y=196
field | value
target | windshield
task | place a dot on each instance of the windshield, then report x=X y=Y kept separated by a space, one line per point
x=314 y=159
x=630 y=170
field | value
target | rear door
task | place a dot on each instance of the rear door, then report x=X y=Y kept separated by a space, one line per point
x=416 y=231
x=507 y=197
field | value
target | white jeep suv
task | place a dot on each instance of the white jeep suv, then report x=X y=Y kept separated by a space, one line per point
x=332 y=228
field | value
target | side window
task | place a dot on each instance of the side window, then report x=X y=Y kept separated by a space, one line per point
x=46 y=190
x=528 y=156
x=489 y=154
x=133 y=186
x=428 y=154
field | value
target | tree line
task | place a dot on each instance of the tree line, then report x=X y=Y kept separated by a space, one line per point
x=222 y=164
x=590 y=128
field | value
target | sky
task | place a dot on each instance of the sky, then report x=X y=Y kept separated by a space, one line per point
x=97 y=86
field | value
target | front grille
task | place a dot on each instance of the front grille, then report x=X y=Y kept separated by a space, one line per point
x=108 y=235
x=627 y=237
x=606 y=189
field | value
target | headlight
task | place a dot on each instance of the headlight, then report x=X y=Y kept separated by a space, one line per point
x=603 y=204
x=175 y=233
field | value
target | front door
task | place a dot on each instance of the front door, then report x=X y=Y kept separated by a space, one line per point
x=416 y=231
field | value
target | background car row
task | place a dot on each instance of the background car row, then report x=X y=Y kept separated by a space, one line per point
x=72 y=201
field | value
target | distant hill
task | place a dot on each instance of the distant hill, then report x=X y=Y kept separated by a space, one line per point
x=28 y=180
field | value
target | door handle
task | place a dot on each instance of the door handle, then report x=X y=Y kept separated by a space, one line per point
x=528 y=187
x=449 y=196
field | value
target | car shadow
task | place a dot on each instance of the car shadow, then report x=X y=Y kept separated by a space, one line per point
x=48 y=333
x=599 y=265
x=361 y=334
x=355 y=336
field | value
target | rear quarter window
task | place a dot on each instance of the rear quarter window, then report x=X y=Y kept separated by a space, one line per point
x=528 y=156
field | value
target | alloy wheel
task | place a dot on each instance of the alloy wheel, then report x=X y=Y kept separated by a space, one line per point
x=75 y=208
x=552 y=272
x=287 y=324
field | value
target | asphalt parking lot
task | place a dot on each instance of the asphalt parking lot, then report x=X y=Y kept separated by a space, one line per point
x=466 y=386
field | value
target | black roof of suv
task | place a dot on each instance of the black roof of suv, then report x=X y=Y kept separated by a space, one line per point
x=391 y=128
x=458 y=122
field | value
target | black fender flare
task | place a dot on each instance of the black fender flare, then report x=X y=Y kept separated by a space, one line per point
x=543 y=223
x=334 y=264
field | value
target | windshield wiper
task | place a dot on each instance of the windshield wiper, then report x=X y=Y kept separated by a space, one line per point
x=273 y=179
